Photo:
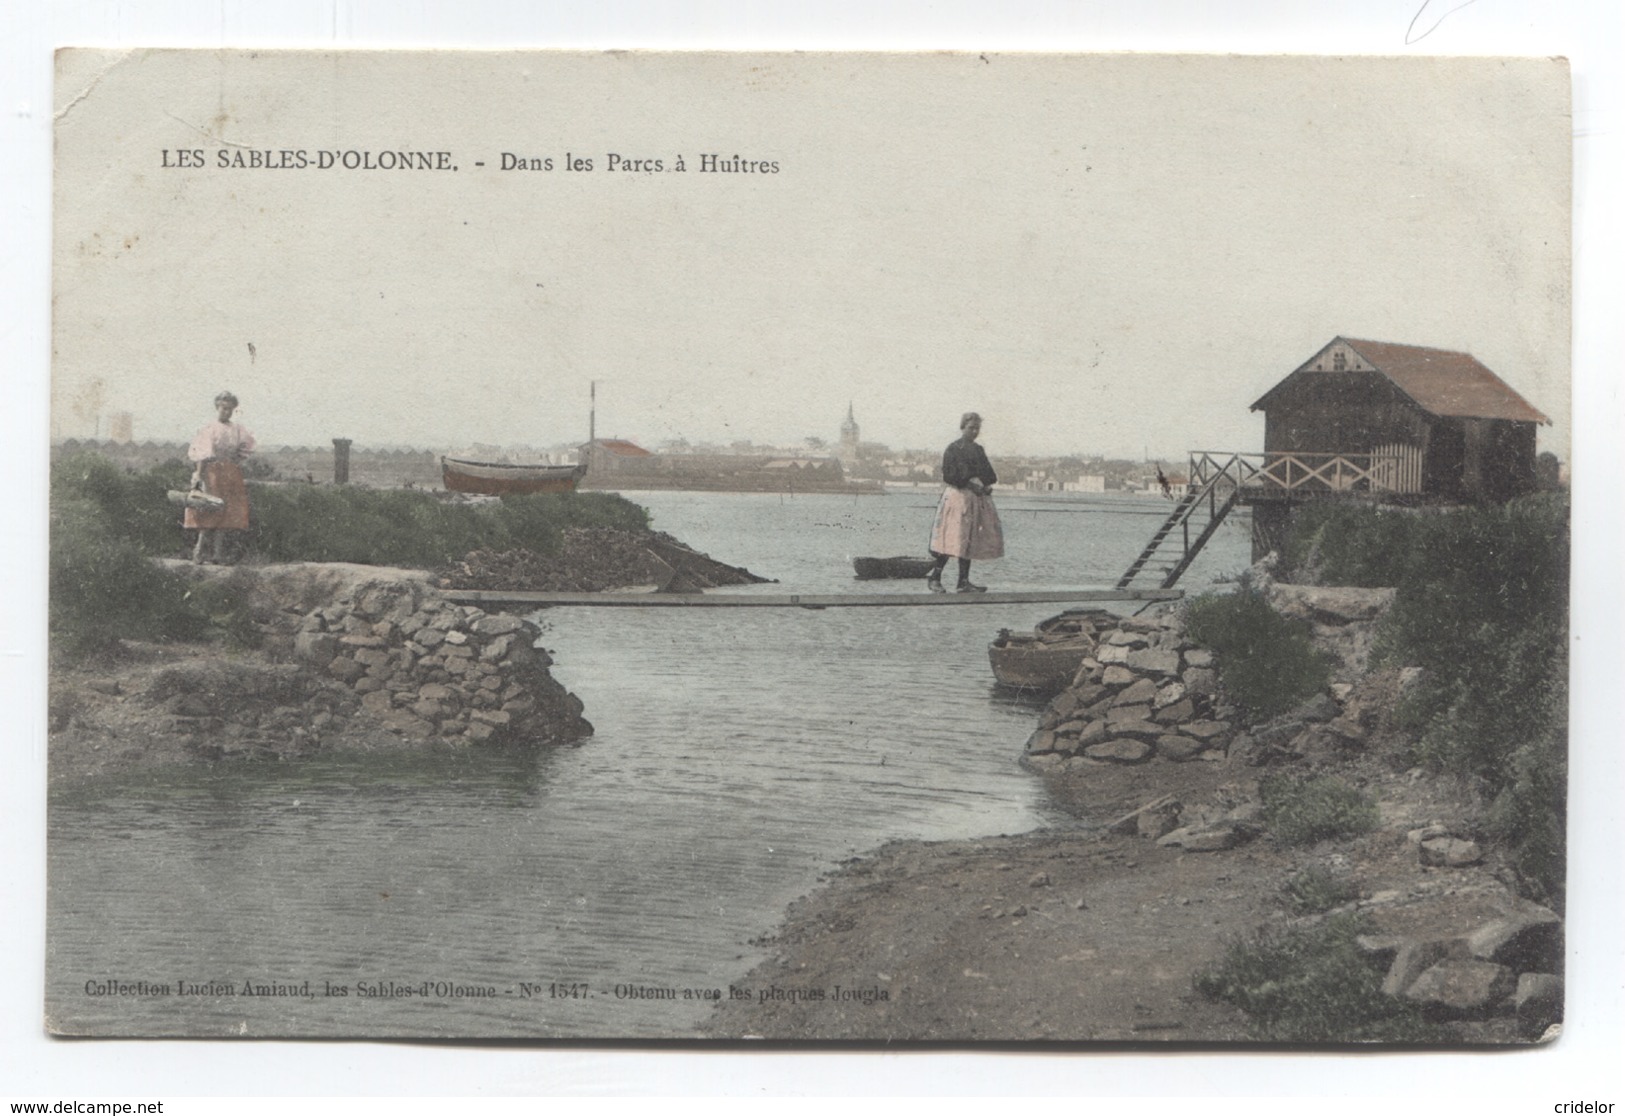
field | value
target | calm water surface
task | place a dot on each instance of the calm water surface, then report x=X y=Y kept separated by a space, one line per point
x=739 y=754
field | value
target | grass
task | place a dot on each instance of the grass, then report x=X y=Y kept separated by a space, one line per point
x=1316 y=891
x=406 y=527
x=1312 y=985
x=1303 y=811
x=1266 y=662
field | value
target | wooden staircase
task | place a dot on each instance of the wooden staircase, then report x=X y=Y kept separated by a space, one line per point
x=1172 y=549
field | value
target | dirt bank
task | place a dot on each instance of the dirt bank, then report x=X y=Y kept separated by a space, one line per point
x=1095 y=932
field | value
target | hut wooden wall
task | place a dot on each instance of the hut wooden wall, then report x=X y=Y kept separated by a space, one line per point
x=1341 y=412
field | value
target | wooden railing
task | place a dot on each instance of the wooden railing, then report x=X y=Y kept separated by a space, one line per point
x=1398 y=470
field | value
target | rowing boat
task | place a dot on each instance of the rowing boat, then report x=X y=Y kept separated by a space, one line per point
x=900 y=568
x=494 y=478
x=1045 y=660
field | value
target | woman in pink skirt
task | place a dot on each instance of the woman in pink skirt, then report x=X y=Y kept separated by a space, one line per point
x=218 y=451
x=967 y=525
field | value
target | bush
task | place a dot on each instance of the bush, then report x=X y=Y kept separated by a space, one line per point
x=1303 y=811
x=1311 y=986
x=1266 y=661
x=131 y=506
x=104 y=589
x=1316 y=891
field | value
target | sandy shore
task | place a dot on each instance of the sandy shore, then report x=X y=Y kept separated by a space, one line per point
x=1080 y=935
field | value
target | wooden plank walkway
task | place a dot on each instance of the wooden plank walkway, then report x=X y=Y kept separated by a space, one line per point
x=518 y=598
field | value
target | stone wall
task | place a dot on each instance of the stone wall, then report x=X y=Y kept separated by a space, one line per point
x=381 y=651
x=1146 y=692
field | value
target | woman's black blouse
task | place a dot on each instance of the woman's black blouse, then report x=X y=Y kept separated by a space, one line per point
x=963 y=460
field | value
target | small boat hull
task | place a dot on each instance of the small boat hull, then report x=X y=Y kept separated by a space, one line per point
x=1045 y=660
x=491 y=478
x=1022 y=663
x=897 y=569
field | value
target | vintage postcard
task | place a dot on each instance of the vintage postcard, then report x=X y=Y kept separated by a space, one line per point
x=870 y=547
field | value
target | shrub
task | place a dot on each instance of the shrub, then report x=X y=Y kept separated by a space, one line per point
x=1266 y=661
x=1311 y=986
x=1316 y=891
x=132 y=506
x=104 y=589
x=1303 y=811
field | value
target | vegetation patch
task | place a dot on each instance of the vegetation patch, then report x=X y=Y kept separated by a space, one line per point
x=1482 y=607
x=1312 y=985
x=1316 y=891
x=1266 y=661
x=1303 y=811
x=409 y=527
x=107 y=523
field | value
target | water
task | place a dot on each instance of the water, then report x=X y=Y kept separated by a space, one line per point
x=738 y=755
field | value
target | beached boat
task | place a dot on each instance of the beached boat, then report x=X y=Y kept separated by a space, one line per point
x=1045 y=660
x=494 y=478
x=874 y=569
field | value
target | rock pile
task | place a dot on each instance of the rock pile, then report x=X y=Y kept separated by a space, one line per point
x=1507 y=966
x=1146 y=692
x=426 y=668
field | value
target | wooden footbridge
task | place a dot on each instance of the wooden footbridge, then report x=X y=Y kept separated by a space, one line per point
x=513 y=598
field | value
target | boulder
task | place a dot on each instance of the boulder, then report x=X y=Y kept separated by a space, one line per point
x=1119 y=714
x=1416 y=957
x=1201 y=680
x=1107 y=654
x=1318 y=709
x=1449 y=852
x=1330 y=604
x=1137 y=730
x=1198 y=657
x=316 y=648
x=1041 y=741
x=1117 y=675
x=1154 y=661
x=1176 y=714
x=1093 y=733
x=1169 y=694
x=1178 y=748
x=1529 y=941
x=1538 y=1001
x=498 y=625
x=1143 y=690
x=1119 y=750
x=1206 y=730
x=1196 y=838
x=1457 y=989
x=1129 y=822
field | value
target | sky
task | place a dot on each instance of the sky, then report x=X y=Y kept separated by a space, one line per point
x=1102 y=255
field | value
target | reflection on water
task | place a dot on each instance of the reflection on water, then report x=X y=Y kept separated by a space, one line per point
x=738 y=754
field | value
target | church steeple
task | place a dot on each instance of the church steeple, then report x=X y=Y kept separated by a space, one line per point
x=849 y=437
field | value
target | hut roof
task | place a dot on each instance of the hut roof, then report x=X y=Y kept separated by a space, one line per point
x=623 y=448
x=1442 y=382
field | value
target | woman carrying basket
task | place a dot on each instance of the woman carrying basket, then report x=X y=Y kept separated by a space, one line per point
x=218 y=451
